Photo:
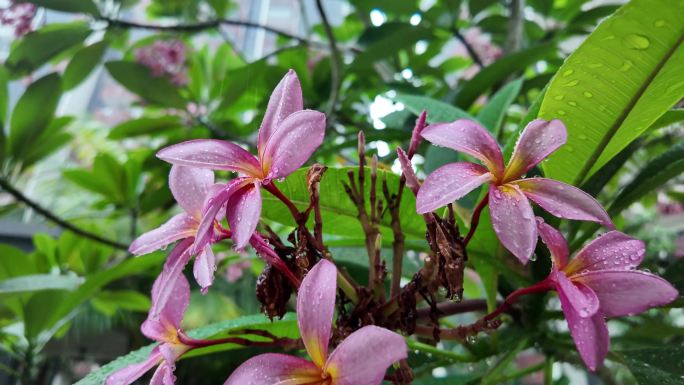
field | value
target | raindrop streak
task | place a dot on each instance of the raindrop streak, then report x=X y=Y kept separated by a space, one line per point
x=626 y=65
x=587 y=94
x=571 y=83
x=559 y=97
x=636 y=41
x=582 y=136
x=659 y=23
x=572 y=103
x=561 y=112
x=568 y=73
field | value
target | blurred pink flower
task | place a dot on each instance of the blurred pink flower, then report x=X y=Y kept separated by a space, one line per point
x=19 y=16
x=235 y=271
x=165 y=58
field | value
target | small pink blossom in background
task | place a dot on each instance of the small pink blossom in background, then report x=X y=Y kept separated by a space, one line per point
x=509 y=194
x=235 y=271
x=529 y=359
x=601 y=281
x=165 y=58
x=361 y=359
x=481 y=43
x=18 y=16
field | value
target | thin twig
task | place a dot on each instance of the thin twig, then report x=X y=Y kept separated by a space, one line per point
x=18 y=195
x=336 y=60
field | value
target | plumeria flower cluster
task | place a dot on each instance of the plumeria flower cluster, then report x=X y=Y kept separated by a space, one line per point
x=18 y=16
x=165 y=58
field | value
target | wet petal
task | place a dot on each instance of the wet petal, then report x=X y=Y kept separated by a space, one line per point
x=285 y=100
x=211 y=154
x=243 y=211
x=214 y=205
x=554 y=240
x=129 y=374
x=165 y=284
x=538 y=140
x=628 y=292
x=590 y=334
x=449 y=183
x=315 y=307
x=579 y=296
x=164 y=318
x=272 y=369
x=180 y=226
x=364 y=356
x=293 y=142
x=204 y=268
x=613 y=250
x=468 y=137
x=163 y=375
x=513 y=220
x=411 y=178
x=564 y=201
x=190 y=187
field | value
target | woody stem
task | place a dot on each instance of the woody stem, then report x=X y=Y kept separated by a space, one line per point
x=512 y=298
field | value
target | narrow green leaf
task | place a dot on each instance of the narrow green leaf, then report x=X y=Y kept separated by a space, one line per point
x=662 y=365
x=145 y=126
x=36 y=48
x=387 y=40
x=33 y=113
x=51 y=139
x=492 y=115
x=83 y=63
x=339 y=213
x=660 y=170
x=79 y=6
x=616 y=85
x=669 y=118
x=139 y=80
x=284 y=328
x=438 y=111
x=500 y=70
x=38 y=282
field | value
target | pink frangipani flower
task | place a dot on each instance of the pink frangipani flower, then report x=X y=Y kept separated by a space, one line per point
x=170 y=299
x=191 y=187
x=287 y=137
x=511 y=213
x=361 y=359
x=601 y=281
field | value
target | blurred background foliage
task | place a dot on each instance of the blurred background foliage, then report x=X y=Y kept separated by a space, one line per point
x=91 y=89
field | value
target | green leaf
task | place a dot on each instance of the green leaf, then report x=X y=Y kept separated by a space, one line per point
x=4 y=101
x=616 y=85
x=51 y=140
x=39 y=282
x=139 y=80
x=285 y=328
x=108 y=302
x=36 y=48
x=492 y=115
x=662 y=365
x=438 y=111
x=669 y=118
x=145 y=126
x=387 y=40
x=658 y=171
x=79 y=6
x=83 y=63
x=339 y=213
x=499 y=70
x=33 y=113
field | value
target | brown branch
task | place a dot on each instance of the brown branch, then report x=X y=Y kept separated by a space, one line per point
x=18 y=195
x=336 y=60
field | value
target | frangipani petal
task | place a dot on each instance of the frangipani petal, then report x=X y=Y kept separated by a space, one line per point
x=564 y=201
x=411 y=178
x=165 y=285
x=243 y=211
x=628 y=292
x=449 y=183
x=275 y=369
x=364 y=356
x=204 y=268
x=538 y=140
x=558 y=246
x=285 y=100
x=590 y=334
x=583 y=300
x=513 y=220
x=613 y=250
x=315 y=308
x=468 y=137
x=180 y=226
x=165 y=318
x=163 y=375
x=211 y=154
x=214 y=205
x=190 y=186
x=129 y=374
x=292 y=143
